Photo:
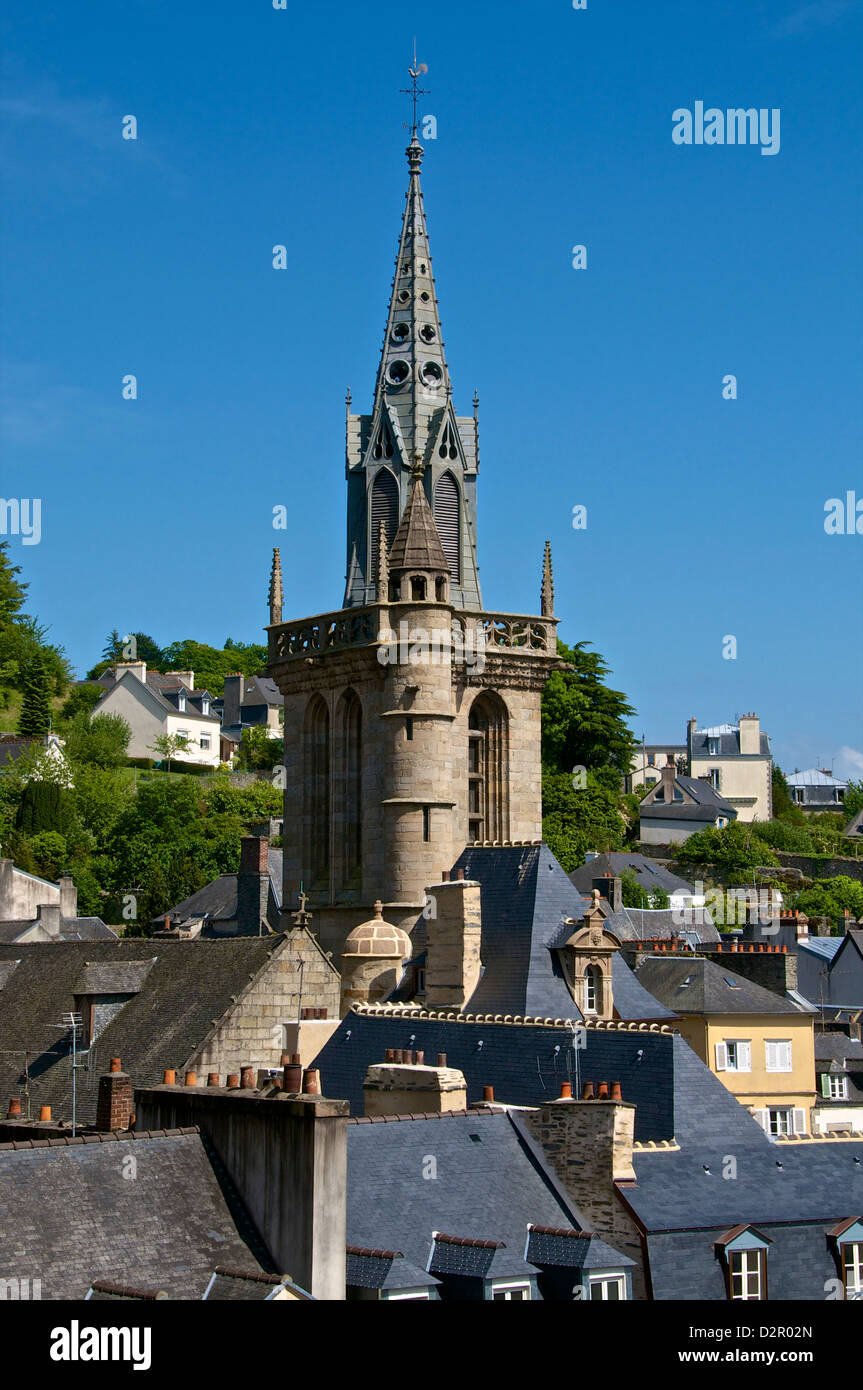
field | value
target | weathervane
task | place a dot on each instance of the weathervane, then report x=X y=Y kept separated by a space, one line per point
x=414 y=91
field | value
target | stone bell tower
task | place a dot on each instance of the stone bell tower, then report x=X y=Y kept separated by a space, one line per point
x=412 y=714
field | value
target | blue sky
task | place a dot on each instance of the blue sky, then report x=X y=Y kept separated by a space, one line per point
x=600 y=387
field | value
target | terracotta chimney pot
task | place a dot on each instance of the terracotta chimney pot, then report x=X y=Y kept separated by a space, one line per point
x=565 y=1090
x=115 y=1064
x=247 y=1078
x=588 y=1091
x=191 y=1078
x=616 y=1092
x=14 y=1111
x=488 y=1093
x=311 y=1082
x=212 y=1078
x=232 y=1081
x=170 y=1077
x=44 y=1114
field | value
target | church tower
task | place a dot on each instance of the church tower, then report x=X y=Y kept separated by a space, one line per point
x=412 y=715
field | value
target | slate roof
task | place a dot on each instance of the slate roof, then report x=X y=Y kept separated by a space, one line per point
x=265 y=688
x=526 y=1063
x=708 y=803
x=572 y=1250
x=836 y=1047
x=646 y=924
x=685 y=1209
x=385 y=1269
x=79 y=1219
x=823 y=946
x=528 y=908
x=814 y=777
x=693 y=985
x=189 y=985
x=248 y=1285
x=71 y=929
x=729 y=742
x=218 y=899
x=648 y=873
x=491 y=1181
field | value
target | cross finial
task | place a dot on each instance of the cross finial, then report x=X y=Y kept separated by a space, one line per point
x=414 y=91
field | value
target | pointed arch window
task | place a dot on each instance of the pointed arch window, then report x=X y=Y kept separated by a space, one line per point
x=448 y=447
x=447 y=515
x=488 y=812
x=316 y=810
x=349 y=817
x=384 y=443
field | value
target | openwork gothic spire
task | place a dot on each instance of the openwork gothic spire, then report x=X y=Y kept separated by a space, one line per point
x=275 y=595
x=547 y=584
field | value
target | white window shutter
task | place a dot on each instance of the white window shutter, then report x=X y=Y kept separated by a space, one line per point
x=799 y=1121
x=744 y=1056
x=785 y=1052
x=763 y=1118
x=721 y=1057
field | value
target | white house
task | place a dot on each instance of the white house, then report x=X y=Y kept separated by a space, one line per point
x=153 y=704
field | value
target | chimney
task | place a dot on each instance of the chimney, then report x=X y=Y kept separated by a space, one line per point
x=49 y=915
x=115 y=1104
x=286 y=1156
x=392 y=1088
x=453 y=943
x=750 y=735
x=668 y=775
x=611 y=888
x=589 y=1143
x=235 y=690
x=68 y=897
x=253 y=884
x=137 y=668
x=187 y=677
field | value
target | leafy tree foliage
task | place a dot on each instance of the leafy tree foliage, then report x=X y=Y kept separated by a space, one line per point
x=258 y=750
x=101 y=739
x=583 y=720
x=737 y=846
x=35 y=717
x=634 y=895
x=829 y=897
x=81 y=699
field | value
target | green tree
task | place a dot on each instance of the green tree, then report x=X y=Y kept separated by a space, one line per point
x=829 y=897
x=169 y=745
x=634 y=895
x=81 y=699
x=577 y=821
x=101 y=739
x=35 y=718
x=737 y=846
x=784 y=806
x=258 y=750
x=853 y=799
x=584 y=722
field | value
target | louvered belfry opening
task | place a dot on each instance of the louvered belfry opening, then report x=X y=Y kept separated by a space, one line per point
x=447 y=518
x=316 y=818
x=385 y=508
x=488 y=813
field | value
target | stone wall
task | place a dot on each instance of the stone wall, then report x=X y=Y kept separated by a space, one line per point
x=254 y=1033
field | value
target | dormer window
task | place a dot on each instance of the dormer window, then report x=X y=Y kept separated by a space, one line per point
x=205 y=706
x=181 y=702
x=847 y=1243
x=592 y=990
x=743 y=1252
x=713 y=747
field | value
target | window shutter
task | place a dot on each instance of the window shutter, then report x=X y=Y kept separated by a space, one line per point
x=744 y=1056
x=825 y=1085
x=799 y=1121
x=763 y=1118
x=721 y=1056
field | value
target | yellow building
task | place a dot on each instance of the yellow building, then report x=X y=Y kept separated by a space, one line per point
x=761 y=1045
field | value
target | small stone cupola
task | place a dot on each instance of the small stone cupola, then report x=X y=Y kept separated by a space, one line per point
x=417 y=566
x=372 y=960
x=587 y=960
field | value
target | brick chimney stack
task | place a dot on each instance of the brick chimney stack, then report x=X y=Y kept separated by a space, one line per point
x=589 y=1145
x=611 y=888
x=115 y=1104
x=253 y=883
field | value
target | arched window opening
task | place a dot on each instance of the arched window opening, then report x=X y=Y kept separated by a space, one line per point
x=488 y=813
x=440 y=590
x=384 y=443
x=418 y=589
x=384 y=508
x=447 y=515
x=350 y=818
x=316 y=818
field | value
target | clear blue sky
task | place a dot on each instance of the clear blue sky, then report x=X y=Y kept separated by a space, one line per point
x=599 y=387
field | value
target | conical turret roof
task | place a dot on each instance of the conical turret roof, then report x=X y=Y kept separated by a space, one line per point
x=417 y=544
